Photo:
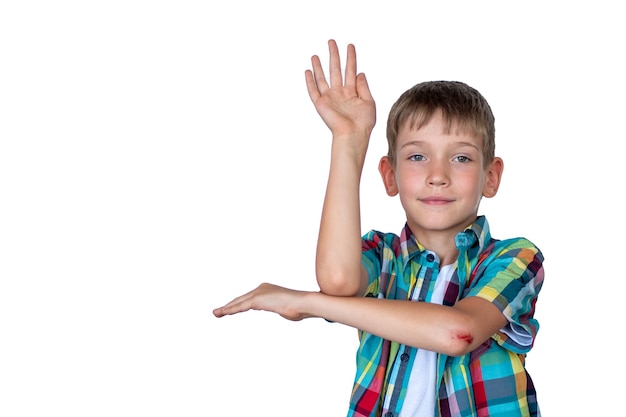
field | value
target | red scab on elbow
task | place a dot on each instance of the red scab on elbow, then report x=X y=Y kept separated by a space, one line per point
x=466 y=337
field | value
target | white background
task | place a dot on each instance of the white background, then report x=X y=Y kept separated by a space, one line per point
x=159 y=158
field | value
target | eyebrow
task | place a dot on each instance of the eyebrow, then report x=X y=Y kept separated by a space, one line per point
x=460 y=143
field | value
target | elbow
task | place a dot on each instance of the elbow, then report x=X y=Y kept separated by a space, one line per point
x=460 y=344
x=460 y=341
x=338 y=283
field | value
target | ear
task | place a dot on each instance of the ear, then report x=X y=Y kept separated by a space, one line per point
x=494 y=176
x=385 y=167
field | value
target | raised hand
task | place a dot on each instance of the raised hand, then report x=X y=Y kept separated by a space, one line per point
x=344 y=103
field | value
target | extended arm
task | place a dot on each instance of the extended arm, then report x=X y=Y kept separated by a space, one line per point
x=348 y=109
x=450 y=330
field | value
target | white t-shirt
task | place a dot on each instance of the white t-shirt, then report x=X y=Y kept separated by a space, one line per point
x=421 y=396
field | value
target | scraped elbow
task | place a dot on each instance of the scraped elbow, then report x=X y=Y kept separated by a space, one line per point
x=461 y=340
x=460 y=343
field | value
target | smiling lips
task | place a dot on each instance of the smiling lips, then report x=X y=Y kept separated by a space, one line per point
x=436 y=200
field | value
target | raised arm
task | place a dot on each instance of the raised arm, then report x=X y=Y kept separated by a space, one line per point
x=348 y=109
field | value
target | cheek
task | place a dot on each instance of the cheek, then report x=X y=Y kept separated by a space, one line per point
x=409 y=174
x=472 y=184
x=407 y=181
x=479 y=187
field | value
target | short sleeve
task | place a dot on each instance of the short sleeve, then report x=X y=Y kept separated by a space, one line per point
x=511 y=278
x=379 y=257
x=371 y=247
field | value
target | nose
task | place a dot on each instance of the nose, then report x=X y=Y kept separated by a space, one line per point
x=438 y=175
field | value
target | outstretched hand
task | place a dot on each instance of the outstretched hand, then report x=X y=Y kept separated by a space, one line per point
x=268 y=297
x=344 y=103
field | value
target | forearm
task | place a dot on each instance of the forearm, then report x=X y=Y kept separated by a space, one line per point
x=450 y=330
x=338 y=261
x=434 y=327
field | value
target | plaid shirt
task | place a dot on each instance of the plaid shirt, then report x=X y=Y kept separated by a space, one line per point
x=491 y=380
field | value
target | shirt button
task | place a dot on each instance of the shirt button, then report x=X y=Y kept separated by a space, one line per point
x=430 y=257
x=404 y=357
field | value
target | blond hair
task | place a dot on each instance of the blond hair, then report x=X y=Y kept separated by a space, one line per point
x=462 y=108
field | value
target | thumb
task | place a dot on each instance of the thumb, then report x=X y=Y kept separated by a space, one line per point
x=362 y=88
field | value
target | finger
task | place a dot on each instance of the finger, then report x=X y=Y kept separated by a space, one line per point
x=311 y=86
x=335 y=64
x=234 y=306
x=318 y=74
x=219 y=312
x=230 y=310
x=362 y=88
x=350 y=76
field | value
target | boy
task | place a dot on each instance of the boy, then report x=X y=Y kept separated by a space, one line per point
x=444 y=311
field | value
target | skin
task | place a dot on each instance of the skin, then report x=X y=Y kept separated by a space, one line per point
x=440 y=179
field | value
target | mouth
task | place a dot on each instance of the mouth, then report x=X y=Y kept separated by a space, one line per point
x=436 y=201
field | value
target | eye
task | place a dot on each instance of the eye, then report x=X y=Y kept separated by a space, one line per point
x=416 y=157
x=462 y=159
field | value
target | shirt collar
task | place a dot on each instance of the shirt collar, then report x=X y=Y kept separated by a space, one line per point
x=472 y=239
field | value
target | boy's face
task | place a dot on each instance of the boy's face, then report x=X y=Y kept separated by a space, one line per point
x=439 y=177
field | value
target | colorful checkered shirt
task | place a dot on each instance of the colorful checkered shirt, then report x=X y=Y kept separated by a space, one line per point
x=491 y=380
